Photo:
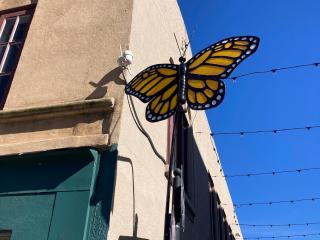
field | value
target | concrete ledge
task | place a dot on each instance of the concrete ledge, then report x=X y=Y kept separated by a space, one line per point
x=97 y=141
x=59 y=110
x=83 y=123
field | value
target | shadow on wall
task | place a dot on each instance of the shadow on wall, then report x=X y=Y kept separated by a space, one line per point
x=101 y=88
x=205 y=217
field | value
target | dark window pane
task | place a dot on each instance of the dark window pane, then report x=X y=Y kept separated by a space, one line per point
x=4 y=80
x=22 y=28
x=12 y=58
x=2 y=50
x=9 y=24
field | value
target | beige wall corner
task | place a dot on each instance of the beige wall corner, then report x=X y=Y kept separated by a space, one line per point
x=151 y=41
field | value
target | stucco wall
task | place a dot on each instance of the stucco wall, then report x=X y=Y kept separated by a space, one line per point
x=70 y=55
x=152 y=41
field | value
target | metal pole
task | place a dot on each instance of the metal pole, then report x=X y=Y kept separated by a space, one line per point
x=178 y=175
x=175 y=221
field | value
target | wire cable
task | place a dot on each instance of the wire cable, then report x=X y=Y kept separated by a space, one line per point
x=238 y=205
x=139 y=125
x=274 y=70
x=282 y=236
x=276 y=225
x=264 y=131
x=272 y=173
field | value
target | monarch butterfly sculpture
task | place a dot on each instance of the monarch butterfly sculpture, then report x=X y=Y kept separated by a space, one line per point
x=197 y=81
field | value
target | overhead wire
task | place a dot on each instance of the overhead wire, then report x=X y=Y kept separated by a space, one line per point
x=308 y=127
x=281 y=236
x=249 y=204
x=307 y=224
x=272 y=173
x=274 y=70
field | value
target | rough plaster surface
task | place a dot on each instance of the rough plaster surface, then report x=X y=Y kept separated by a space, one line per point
x=152 y=42
x=70 y=54
x=9 y=4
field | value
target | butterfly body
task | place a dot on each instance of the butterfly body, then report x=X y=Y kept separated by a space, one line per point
x=197 y=81
x=182 y=98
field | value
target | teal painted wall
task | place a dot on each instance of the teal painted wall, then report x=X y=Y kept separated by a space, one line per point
x=65 y=194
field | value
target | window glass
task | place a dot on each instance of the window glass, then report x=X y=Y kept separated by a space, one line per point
x=2 y=49
x=4 y=80
x=13 y=29
x=22 y=28
x=10 y=60
x=8 y=25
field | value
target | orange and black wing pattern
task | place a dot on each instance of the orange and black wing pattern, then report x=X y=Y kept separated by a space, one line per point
x=204 y=71
x=220 y=59
x=158 y=85
x=204 y=93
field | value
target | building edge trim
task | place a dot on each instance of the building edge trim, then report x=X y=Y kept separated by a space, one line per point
x=58 y=110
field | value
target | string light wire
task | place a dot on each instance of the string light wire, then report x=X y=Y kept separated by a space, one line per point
x=276 y=225
x=265 y=131
x=282 y=236
x=238 y=205
x=274 y=70
x=272 y=173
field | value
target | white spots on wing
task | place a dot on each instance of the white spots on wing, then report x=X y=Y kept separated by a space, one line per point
x=248 y=52
x=223 y=75
x=214 y=102
x=221 y=90
x=219 y=97
x=253 y=46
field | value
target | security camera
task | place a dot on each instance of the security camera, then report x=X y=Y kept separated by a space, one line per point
x=125 y=59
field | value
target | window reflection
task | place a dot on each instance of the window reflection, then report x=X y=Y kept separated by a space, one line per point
x=21 y=28
x=7 y=27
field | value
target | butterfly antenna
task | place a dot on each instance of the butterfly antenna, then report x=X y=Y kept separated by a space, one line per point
x=177 y=44
x=186 y=45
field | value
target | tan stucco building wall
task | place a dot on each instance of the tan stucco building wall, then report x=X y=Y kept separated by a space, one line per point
x=68 y=92
x=152 y=41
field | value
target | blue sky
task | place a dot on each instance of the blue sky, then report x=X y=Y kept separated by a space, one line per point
x=290 y=35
